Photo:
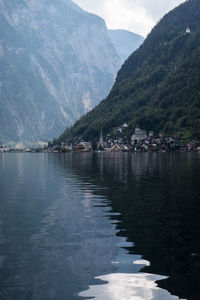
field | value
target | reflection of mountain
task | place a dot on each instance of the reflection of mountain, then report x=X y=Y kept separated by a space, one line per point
x=80 y=242
x=56 y=231
x=157 y=198
x=53 y=241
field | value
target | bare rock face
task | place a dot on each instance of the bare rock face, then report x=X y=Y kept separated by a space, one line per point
x=56 y=63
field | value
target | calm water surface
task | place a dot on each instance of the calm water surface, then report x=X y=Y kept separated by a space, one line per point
x=100 y=226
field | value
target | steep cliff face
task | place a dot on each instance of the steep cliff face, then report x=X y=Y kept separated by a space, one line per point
x=125 y=42
x=56 y=63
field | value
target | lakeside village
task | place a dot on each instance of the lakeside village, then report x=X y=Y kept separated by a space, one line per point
x=140 y=141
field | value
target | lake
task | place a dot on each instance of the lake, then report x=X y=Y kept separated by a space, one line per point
x=105 y=226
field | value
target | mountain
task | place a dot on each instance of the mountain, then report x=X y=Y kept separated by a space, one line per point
x=125 y=42
x=56 y=63
x=158 y=86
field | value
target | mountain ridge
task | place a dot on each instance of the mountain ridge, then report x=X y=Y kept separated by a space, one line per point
x=57 y=62
x=157 y=87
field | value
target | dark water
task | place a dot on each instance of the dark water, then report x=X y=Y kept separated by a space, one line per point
x=100 y=226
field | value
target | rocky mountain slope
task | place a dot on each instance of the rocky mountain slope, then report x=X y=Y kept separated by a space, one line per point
x=56 y=63
x=125 y=42
x=158 y=86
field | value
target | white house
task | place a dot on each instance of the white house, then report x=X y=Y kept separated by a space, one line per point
x=188 y=30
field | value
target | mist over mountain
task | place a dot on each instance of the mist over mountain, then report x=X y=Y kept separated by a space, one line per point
x=157 y=88
x=125 y=42
x=56 y=63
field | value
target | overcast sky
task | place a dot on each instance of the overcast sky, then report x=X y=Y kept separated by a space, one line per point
x=138 y=16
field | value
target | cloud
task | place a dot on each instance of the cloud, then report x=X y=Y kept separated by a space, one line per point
x=135 y=15
x=125 y=15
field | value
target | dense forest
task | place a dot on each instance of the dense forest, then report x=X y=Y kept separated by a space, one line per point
x=158 y=85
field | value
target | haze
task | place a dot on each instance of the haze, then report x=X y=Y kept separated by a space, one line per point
x=138 y=16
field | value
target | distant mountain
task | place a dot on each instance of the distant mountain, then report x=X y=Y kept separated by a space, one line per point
x=125 y=42
x=56 y=63
x=158 y=86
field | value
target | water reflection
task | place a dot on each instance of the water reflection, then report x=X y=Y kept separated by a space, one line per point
x=55 y=237
x=79 y=226
x=127 y=283
x=123 y=286
x=157 y=196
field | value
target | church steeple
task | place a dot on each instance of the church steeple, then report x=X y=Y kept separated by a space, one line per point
x=101 y=143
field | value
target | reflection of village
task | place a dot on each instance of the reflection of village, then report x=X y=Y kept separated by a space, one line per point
x=141 y=141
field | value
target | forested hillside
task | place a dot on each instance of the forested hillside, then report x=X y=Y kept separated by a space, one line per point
x=158 y=86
